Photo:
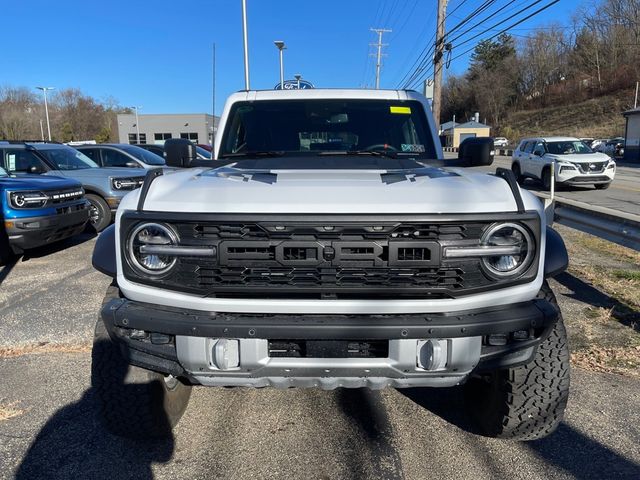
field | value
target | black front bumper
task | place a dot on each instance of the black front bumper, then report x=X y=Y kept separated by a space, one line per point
x=148 y=331
x=26 y=233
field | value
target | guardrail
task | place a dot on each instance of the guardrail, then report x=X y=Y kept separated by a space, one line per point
x=618 y=227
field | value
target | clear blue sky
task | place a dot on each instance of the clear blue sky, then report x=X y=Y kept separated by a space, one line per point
x=157 y=54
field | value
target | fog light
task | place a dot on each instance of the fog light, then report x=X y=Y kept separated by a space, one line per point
x=226 y=354
x=432 y=354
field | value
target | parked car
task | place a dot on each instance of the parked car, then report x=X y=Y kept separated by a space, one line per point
x=122 y=155
x=614 y=147
x=37 y=210
x=355 y=259
x=574 y=162
x=598 y=144
x=500 y=142
x=205 y=146
x=104 y=187
x=158 y=149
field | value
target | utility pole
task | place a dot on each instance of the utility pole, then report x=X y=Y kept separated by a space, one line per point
x=213 y=97
x=246 y=44
x=137 y=125
x=438 y=60
x=379 y=55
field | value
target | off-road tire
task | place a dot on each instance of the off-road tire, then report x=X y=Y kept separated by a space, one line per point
x=546 y=179
x=526 y=402
x=132 y=402
x=104 y=213
x=517 y=172
x=602 y=186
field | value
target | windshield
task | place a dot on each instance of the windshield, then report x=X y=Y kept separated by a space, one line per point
x=317 y=127
x=568 y=147
x=203 y=153
x=143 y=155
x=67 y=158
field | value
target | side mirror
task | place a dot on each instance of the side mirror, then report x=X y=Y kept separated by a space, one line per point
x=537 y=153
x=476 y=151
x=34 y=169
x=179 y=153
x=132 y=164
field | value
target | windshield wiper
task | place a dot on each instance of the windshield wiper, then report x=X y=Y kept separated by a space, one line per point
x=256 y=154
x=375 y=153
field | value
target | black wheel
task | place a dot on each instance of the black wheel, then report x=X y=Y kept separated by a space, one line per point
x=546 y=179
x=133 y=402
x=526 y=402
x=99 y=213
x=515 y=168
x=602 y=186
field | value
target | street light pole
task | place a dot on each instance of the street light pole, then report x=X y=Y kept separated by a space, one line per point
x=281 y=46
x=137 y=125
x=246 y=45
x=46 y=107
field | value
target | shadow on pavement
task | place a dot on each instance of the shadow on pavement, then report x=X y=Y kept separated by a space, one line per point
x=588 y=294
x=582 y=457
x=58 y=246
x=73 y=444
x=366 y=410
x=567 y=449
x=6 y=269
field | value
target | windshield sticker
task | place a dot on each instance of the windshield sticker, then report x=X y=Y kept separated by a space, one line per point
x=412 y=147
x=401 y=110
x=11 y=157
x=262 y=176
x=410 y=175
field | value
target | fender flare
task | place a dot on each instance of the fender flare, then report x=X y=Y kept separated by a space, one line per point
x=556 y=258
x=104 y=253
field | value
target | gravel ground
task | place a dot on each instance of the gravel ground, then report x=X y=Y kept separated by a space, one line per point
x=243 y=433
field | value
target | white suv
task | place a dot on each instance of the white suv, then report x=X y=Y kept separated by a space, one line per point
x=575 y=163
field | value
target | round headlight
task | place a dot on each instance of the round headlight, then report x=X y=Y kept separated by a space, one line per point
x=151 y=235
x=508 y=235
x=18 y=199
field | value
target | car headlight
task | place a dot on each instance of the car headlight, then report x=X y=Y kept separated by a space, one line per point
x=566 y=167
x=28 y=199
x=611 y=165
x=141 y=252
x=518 y=240
x=126 y=183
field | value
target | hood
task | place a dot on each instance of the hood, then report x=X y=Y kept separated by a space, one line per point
x=582 y=157
x=37 y=182
x=421 y=190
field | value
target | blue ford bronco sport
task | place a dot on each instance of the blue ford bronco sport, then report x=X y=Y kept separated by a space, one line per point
x=39 y=210
x=104 y=187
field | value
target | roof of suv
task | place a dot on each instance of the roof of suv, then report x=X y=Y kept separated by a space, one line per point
x=327 y=93
x=553 y=139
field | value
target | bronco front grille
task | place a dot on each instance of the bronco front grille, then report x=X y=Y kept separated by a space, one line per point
x=325 y=257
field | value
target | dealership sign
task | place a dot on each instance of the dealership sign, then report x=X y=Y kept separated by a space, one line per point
x=294 y=85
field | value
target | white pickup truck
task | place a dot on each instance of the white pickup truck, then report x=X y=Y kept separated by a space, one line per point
x=330 y=245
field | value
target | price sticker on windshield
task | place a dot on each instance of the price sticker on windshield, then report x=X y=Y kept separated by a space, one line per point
x=400 y=110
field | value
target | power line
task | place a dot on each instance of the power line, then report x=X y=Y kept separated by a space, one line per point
x=500 y=32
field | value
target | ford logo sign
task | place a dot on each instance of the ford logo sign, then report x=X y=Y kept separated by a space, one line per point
x=294 y=85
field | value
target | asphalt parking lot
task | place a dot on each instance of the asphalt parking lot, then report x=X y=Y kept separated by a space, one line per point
x=53 y=296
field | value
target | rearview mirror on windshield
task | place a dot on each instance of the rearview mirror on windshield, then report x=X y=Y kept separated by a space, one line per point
x=476 y=151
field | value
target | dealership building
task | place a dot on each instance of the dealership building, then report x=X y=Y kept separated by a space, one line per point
x=156 y=128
